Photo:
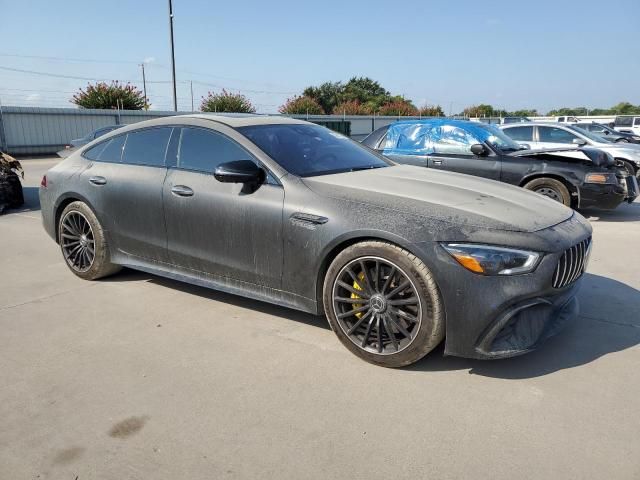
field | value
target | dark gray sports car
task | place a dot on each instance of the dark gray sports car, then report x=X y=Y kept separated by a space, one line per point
x=398 y=257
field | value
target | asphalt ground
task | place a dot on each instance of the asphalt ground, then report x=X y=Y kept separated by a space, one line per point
x=141 y=377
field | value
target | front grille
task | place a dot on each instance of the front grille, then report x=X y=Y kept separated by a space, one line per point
x=571 y=264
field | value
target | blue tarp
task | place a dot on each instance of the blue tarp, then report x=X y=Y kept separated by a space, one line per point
x=418 y=137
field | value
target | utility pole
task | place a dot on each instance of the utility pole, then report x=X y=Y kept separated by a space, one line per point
x=144 y=87
x=191 y=85
x=173 y=58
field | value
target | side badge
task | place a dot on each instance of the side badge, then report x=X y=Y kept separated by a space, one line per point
x=307 y=220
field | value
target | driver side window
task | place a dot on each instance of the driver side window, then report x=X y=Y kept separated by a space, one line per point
x=202 y=150
x=453 y=140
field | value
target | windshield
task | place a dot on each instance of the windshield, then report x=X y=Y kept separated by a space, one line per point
x=309 y=150
x=591 y=136
x=497 y=138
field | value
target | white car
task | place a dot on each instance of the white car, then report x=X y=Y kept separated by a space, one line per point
x=628 y=124
x=553 y=135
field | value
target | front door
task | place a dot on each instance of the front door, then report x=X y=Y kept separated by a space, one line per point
x=221 y=229
x=452 y=152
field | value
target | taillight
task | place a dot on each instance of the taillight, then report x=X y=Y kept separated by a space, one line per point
x=43 y=182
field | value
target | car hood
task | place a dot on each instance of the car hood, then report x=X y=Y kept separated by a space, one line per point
x=451 y=197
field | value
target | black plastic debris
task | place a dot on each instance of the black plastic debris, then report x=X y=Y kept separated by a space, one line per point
x=11 y=195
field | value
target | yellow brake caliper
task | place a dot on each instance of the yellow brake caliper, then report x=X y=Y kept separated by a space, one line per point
x=357 y=286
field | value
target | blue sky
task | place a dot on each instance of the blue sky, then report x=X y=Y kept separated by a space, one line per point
x=512 y=54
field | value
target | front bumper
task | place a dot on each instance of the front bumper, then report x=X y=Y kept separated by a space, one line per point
x=608 y=196
x=490 y=317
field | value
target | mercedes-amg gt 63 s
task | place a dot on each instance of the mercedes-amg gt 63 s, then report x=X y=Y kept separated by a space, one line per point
x=397 y=257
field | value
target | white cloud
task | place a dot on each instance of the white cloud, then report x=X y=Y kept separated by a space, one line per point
x=149 y=60
x=33 y=98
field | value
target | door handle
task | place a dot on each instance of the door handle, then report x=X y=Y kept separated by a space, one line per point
x=98 y=180
x=437 y=162
x=182 y=191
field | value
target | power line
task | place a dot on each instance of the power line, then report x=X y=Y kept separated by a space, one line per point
x=72 y=77
x=65 y=59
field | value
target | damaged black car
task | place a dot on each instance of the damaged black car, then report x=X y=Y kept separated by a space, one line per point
x=582 y=178
x=398 y=258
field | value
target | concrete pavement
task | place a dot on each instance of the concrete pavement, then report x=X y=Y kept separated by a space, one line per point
x=142 y=377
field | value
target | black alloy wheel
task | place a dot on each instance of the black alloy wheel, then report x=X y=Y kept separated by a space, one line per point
x=77 y=241
x=377 y=305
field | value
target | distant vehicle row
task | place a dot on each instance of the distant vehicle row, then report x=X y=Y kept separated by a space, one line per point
x=588 y=177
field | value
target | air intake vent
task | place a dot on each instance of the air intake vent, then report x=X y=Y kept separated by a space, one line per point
x=571 y=264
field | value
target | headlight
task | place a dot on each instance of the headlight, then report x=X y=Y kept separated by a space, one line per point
x=490 y=260
x=600 y=178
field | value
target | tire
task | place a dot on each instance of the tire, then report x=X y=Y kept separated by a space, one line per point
x=552 y=188
x=622 y=140
x=77 y=239
x=629 y=167
x=417 y=310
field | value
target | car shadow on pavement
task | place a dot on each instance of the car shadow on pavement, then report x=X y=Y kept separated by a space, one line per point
x=218 y=296
x=31 y=201
x=624 y=213
x=609 y=322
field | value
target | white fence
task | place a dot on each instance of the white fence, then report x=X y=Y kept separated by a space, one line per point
x=39 y=131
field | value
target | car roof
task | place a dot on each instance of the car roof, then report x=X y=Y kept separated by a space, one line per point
x=243 y=119
x=433 y=121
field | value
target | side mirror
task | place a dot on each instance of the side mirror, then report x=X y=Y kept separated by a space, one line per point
x=525 y=146
x=479 y=150
x=579 y=141
x=239 y=171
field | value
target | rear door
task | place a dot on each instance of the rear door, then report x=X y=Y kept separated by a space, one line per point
x=126 y=181
x=221 y=229
x=522 y=134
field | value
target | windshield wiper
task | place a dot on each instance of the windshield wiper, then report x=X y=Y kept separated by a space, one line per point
x=369 y=167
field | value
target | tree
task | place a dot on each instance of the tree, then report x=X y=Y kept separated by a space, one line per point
x=431 y=111
x=351 y=107
x=226 y=102
x=328 y=95
x=524 y=113
x=113 y=95
x=398 y=106
x=625 y=108
x=481 y=110
x=301 y=105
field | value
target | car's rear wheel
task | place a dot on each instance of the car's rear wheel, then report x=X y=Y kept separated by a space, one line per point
x=383 y=304
x=552 y=188
x=83 y=243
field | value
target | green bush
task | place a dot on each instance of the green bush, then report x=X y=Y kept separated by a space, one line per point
x=226 y=102
x=113 y=95
x=398 y=107
x=301 y=105
x=352 y=107
x=431 y=111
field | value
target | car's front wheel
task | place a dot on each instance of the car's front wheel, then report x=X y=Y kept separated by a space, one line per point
x=383 y=304
x=83 y=243
x=552 y=188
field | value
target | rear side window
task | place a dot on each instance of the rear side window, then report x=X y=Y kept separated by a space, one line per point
x=520 y=134
x=555 y=135
x=94 y=152
x=203 y=150
x=637 y=121
x=112 y=151
x=147 y=147
x=624 y=121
